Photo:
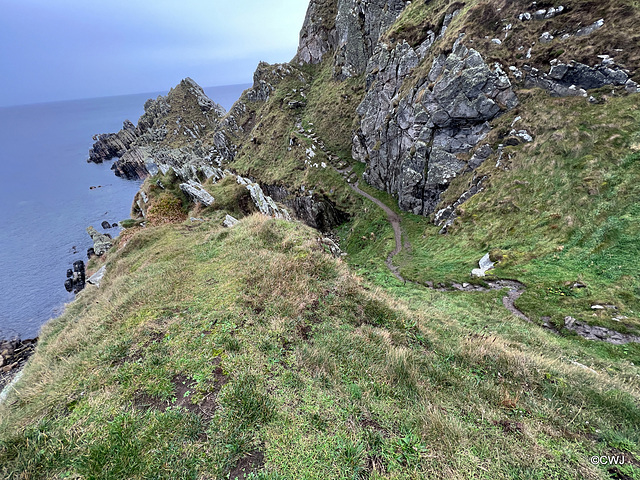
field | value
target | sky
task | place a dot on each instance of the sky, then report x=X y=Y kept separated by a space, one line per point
x=53 y=50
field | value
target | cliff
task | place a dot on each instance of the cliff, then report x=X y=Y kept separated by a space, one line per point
x=229 y=340
x=484 y=117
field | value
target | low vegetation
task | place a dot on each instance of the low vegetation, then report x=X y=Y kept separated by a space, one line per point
x=252 y=353
x=210 y=350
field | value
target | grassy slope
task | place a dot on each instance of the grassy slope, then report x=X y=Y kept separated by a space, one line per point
x=306 y=371
x=304 y=368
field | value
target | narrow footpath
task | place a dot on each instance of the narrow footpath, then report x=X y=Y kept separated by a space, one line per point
x=515 y=288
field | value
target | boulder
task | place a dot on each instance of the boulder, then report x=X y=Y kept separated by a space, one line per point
x=97 y=277
x=230 y=221
x=485 y=265
x=197 y=193
x=101 y=242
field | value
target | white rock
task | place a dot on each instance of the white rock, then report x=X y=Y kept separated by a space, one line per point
x=485 y=265
x=230 y=221
x=96 y=278
x=197 y=192
x=546 y=37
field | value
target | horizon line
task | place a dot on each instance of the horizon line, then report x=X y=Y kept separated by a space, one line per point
x=156 y=92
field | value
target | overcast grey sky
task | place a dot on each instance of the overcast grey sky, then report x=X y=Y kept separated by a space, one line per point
x=67 y=49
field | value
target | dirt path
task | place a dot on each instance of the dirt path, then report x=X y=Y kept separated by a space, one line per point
x=394 y=220
x=515 y=288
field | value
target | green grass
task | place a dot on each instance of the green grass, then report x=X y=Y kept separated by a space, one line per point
x=206 y=345
x=207 y=350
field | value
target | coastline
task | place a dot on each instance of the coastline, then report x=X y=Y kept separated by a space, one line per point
x=14 y=355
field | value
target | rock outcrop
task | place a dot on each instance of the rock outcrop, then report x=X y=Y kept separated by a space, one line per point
x=13 y=356
x=412 y=142
x=574 y=79
x=599 y=333
x=111 y=145
x=316 y=211
x=359 y=25
x=351 y=28
x=167 y=134
x=97 y=277
x=101 y=242
x=197 y=193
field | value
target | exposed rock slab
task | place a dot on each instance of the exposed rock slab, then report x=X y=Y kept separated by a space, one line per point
x=574 y=79
x=265 y=204
x=197 y=193
x=97 y=277
x=599 y=333
x=230 y=221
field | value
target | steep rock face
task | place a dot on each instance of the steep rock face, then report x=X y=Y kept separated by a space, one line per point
x=411 y=140
x=111 y=145
x=351 y=28
x=170 y=131
x=318 y=35
x=359 y=25
x=317 y=212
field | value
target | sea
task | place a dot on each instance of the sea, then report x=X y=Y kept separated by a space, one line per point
x=49 y=195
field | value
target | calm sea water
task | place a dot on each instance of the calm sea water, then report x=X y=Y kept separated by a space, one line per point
x=46 y=200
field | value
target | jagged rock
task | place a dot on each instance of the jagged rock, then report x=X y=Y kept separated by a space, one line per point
x=97 y=277
x=485 y=265
x=599 y=333
x=352 y=28
x=318 y=34
x=167 y=132
x=359 y=25
x=101 y=242
x=265 y=79
x=575 y=78
x=229 y=221
x=106 y=225
x=264 y=203
x=197 y=193
x=111 y=145
x=411 y=144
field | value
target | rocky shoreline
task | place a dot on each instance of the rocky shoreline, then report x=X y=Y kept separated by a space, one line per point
x=13 y=356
